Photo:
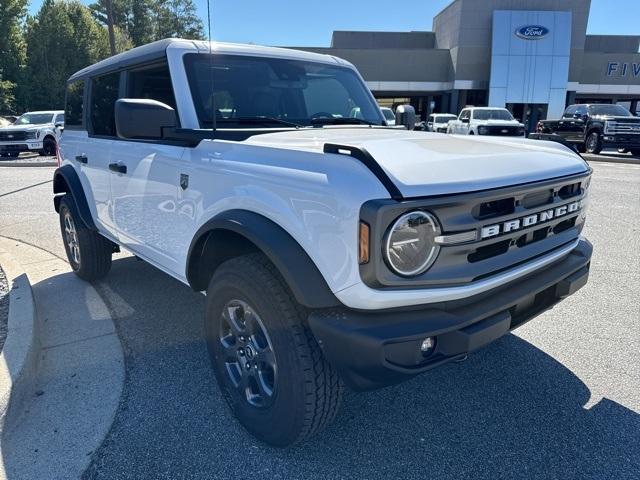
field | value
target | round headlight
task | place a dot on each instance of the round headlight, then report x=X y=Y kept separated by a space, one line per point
x=410 y=247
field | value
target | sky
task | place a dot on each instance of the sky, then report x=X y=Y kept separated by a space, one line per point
x=310 y=23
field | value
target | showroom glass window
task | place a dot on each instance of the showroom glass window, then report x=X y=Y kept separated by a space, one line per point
x=104 y=93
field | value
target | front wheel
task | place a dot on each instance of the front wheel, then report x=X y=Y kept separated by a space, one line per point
x=48 y=147
x=269 y=366
x=594 y=143
x=88 y=252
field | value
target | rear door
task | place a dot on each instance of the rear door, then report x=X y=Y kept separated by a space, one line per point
x=147 y=198
x=465 y=120
x=569 y=126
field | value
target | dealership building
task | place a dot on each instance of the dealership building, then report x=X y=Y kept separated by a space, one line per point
x=532 y=56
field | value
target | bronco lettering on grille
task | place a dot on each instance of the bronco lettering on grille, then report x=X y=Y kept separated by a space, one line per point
x=530 y=220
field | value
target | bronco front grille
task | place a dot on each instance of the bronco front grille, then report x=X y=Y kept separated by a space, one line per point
x=503 y=249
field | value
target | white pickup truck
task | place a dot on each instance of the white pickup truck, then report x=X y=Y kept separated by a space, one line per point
x=333 y=250
x=32 y=132
x=486 y=121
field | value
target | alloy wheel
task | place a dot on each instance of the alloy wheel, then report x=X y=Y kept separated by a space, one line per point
x=249 y=359
x=71 y=236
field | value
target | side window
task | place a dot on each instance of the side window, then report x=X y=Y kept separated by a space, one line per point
x=430 y=119
x=465 y=114
x=104 y=93
x=74 y=106
x=153 y=83
x=59 y=119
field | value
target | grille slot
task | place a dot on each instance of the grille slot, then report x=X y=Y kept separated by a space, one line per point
x=495 y=208
x=569 y=191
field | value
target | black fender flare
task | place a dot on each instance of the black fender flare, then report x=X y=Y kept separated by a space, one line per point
x=296 y=267
x=66 y=180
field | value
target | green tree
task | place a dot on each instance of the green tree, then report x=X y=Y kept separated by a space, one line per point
x=61 y=39
x=177 y=18
x=133 y=18
x=12 y=52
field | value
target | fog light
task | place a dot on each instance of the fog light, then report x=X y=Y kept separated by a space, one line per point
x=427 y=345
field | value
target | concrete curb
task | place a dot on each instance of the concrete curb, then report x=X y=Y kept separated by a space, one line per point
x=19 y=356
x=29 y=164
x=606 y=159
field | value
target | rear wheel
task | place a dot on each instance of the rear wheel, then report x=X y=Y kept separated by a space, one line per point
x=594 y=143
x=268 y=364
x=88 y=252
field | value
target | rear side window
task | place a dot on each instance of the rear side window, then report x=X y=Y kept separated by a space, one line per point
x=152 y=83
x=73 y=110
x=104 y=93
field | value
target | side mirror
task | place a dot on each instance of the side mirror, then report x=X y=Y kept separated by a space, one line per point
x=465 y=120
x=138 y=118
x=406 y=116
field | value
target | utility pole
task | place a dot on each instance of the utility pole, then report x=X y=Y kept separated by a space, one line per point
x=112 y=36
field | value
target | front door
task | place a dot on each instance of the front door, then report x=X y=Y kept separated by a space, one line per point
x=146 y=182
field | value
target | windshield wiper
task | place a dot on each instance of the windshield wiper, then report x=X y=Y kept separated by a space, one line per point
x=341 y=121
x=258 y=120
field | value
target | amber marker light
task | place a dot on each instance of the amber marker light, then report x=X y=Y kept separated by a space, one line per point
x=363 y=243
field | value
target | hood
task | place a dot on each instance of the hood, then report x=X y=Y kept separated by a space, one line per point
x=425 y=164
x=492 y=121
x=22 y=128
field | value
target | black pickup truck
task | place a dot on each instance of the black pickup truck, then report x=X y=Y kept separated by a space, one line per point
x=594 y=127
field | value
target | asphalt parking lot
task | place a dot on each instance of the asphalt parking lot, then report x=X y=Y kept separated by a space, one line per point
x=559 y=398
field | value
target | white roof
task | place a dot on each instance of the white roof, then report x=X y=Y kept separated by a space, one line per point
x=157 y=50
x=53 y=112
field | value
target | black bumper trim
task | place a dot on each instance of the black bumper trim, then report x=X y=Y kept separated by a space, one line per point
x=375 y=349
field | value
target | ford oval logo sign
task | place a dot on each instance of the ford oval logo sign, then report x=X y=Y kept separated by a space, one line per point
x=532 y=32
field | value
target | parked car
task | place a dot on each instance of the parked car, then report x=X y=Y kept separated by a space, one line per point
x=438 y=122
x=594 y=127
x=32 y=131
x=332 y=250
x=389 y=116
x=486 y=121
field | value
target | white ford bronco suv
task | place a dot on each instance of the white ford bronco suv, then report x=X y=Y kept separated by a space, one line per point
x=333 y=250
x=486 y=121
x=32 y=132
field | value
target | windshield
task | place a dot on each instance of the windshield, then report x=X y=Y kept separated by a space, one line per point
x=497 y=114
x=388 y=113
x=34 y=119
x=276 y=92
x=444 y=118
x=609 y=110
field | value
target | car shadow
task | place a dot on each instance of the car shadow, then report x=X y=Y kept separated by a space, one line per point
x=509 y=411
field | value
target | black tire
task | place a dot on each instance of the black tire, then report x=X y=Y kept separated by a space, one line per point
x=593 y=143
x=581 y=147
x=622 y=150
x=13 y=154
x=471 y=132
x=635 y=152
x=306 y=390
x=48 y=147
x=88 y=252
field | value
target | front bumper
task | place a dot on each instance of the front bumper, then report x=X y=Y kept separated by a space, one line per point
x=375 y=349
x=22 y=146
x=621 y=141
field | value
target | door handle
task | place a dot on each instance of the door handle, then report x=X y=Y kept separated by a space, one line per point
x=118 y=167
x=82 y=159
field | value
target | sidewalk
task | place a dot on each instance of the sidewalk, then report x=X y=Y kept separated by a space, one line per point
x=28 y=160
x=79 y=379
